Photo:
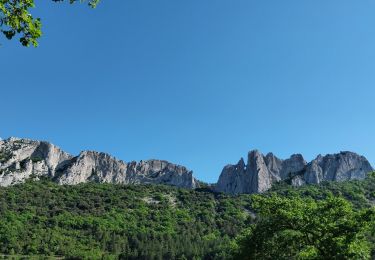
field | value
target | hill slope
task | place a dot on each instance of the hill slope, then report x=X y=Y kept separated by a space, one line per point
x=138 y=222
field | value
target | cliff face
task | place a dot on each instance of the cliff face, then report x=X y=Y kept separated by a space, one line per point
x=21 y=159
x=337 y=167
x=262 y=171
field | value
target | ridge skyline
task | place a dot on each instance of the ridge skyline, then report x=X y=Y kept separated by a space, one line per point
x=215 y=176
x=285 y=78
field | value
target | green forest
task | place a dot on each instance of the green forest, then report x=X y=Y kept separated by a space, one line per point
x=333 y=220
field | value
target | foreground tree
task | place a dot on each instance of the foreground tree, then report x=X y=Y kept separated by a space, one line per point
x=295 y=228
x=15 y=18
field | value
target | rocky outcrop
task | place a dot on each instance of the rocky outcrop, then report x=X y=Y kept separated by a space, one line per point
x=233 y=179
x=261 y=171
x=337 y=167
x=21 y=159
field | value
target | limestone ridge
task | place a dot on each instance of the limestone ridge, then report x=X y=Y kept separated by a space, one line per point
x=21 y=159
x=261 y=171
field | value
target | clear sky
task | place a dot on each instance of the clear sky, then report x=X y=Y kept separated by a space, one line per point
x=198 y=83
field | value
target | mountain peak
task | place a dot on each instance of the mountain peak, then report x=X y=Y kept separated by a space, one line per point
x=21 y=159
x=262 y=171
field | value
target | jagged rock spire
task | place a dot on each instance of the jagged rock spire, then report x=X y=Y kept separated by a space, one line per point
x=262 y=171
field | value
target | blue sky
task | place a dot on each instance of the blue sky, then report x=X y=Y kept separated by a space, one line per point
x=199 y=83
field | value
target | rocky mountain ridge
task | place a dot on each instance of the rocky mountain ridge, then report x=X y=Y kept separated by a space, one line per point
x=22 y=159
x=261 y=171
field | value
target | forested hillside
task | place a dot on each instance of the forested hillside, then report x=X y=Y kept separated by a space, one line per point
x=95 y=221
x=135 y=222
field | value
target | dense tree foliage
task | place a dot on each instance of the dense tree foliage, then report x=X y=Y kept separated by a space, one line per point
x=333 y=220
x=131 y=222
x=15 y=18
x=106 y=221
x=296 y=228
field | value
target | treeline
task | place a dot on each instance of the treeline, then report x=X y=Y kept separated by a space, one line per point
x=106 y=221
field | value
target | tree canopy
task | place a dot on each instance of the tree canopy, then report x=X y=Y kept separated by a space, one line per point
x=333 y=220
x=16 y=19
x=303 y=228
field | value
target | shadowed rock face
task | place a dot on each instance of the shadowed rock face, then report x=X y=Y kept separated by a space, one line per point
x=262 y=171
x=21 y=159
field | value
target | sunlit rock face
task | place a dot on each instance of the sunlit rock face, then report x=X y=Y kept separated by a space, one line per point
x=21 y=159
x=337 y=167
x=261 y=171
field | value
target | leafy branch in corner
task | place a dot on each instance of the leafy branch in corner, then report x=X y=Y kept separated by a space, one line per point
x=16 y=19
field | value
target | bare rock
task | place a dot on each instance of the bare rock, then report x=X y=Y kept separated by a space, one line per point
x=262 y=171
x=337 y=167
x=21 y=159
x=233 y=179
